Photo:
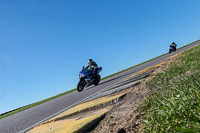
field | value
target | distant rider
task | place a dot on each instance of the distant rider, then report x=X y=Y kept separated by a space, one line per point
x=173 y=45
x=92 y=65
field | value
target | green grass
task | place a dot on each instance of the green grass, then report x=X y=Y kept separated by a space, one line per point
x=176 y=106
x=40 y=102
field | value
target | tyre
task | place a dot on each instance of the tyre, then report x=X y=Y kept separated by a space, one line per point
x=97 y=79
x=81 y=85
x=170 y=50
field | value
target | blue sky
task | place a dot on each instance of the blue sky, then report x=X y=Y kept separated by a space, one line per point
x=44 y=43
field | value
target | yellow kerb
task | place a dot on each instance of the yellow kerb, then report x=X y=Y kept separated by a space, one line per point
x=68 y=125
x=86 y=105
x=155 y=66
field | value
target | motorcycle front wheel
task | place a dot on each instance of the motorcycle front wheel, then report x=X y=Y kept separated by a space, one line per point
x=81 y=85
x=170 y=50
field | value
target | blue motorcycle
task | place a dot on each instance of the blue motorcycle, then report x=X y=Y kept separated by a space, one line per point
x=172 y=49
x=88 y=78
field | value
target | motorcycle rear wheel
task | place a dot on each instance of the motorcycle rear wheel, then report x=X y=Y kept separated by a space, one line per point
x=97 y=79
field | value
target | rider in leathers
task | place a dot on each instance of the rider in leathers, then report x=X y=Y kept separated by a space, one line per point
x=93 y=66
x=173 y=45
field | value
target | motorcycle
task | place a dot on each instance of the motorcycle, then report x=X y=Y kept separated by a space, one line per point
x=87 y=78
x=172 y=49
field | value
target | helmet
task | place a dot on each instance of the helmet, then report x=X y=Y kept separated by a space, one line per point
x=173 y=42
x=90 y=60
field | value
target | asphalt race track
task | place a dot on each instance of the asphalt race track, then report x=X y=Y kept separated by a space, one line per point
x=25 y=120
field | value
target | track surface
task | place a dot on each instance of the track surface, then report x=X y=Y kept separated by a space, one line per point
x=22 y=121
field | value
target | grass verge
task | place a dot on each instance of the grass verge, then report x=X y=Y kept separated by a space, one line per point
x=176 y=106
x=40 y=102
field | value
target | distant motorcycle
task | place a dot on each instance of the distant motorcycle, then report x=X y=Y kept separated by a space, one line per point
x=87 y=78
x=172 y=49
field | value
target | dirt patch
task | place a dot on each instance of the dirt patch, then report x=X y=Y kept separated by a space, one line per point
x=124 y=116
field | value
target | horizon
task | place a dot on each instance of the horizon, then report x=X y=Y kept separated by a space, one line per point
x=44 y=45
